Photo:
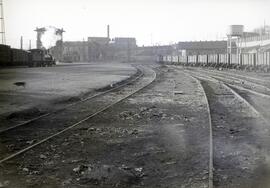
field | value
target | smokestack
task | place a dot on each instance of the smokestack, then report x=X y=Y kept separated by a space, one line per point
x=108 y=31
x=21 y=42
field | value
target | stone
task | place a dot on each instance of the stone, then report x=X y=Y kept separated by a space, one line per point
x=42 y=156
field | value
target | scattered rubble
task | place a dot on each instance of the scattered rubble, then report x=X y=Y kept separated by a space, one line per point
x=144 y=112
x=4 y=184
x=178 y=92
x=108 y=174
x=42 y=156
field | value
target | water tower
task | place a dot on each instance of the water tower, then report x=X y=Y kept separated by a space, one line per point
x=235 y=32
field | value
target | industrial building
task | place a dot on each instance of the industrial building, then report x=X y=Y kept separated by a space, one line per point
x=201 y=47
x=249 y=42
x=99 y=49
x=125 y=48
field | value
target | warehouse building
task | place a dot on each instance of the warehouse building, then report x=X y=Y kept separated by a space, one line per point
x=202 y=47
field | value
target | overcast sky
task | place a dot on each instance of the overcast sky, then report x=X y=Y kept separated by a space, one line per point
x=149 y=21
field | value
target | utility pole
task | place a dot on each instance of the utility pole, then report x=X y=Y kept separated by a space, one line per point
x=29 y=44
x=2 y=31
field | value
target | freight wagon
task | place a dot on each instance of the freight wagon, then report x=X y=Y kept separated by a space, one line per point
x=5 y=55
x=19 y=57
x=254 y=61
x=32 y=58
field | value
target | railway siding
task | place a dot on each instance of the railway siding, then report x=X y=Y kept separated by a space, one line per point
x=237 y=133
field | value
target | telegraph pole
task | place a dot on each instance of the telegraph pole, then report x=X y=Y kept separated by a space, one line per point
x=2 y=31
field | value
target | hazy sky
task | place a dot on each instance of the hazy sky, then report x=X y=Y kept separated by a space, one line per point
x=150 y=21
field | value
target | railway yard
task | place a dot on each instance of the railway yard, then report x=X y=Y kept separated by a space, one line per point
x=134 y=125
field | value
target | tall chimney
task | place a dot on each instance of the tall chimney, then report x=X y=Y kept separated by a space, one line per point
x=21 y=42
x=108 y=31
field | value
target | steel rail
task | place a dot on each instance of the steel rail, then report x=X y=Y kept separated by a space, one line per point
x=77 y=123
x=238 y=96
x=227 y=86
x=210 y=166
x=237 y=77
x=221 y=79
x=211 y=153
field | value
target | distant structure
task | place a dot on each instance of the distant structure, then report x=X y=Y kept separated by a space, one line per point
x=201 y=47
x=235 y=32
x=108 y=32
x=256 y=41
x=30 y=45
x=100 y=49
x=150 y=53
x=40 y=32
x=60 y=33
x=59 y=46
x=74 y=51
x=21 y=42
x=125 y=42
x=2 y=31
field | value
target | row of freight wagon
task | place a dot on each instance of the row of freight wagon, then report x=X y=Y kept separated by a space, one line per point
x=32 y=58
x=251 y=61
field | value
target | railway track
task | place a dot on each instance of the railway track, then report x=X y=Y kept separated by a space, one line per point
x=20 y=139
x=257 y=86
x=259 y=100
x=245 y=77
x=210 y=162
x=225 y=107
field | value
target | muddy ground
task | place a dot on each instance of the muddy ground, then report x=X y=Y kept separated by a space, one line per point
x=157 y=138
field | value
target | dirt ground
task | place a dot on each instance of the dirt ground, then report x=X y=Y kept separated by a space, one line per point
x=157 y=138
x=51 y=83
x=239 y=139
x=47 y=88
x=241 y=132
